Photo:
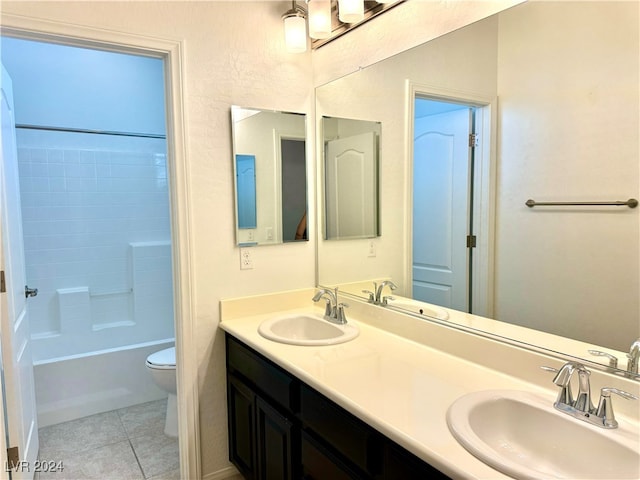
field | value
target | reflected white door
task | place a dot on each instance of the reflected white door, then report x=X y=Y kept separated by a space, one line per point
x=14 y=325
x=351 y=186
x=441 y=208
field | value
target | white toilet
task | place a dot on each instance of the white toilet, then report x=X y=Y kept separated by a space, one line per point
x=162 y=366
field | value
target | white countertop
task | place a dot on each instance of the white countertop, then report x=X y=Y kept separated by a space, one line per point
x=400 y=387
x=401 y=374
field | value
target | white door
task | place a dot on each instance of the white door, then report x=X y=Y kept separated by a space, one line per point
x=351 y=186
x=14 y=325
x=441 y=208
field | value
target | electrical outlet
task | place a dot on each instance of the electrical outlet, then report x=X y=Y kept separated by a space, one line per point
x=246 y=259
x=269 y=233
x=250 y=235
x=372 y=248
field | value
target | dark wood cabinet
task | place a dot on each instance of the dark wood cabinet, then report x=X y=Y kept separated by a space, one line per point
x=263 y=432
x=242 y=436
x=282 y=429
x=399 y=464
x=276 y=441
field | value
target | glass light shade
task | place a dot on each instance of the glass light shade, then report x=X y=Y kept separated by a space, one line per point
x=295 y=34
x=319 y=18
x=350 y=11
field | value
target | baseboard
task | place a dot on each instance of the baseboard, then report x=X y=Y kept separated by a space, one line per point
x=228 y=472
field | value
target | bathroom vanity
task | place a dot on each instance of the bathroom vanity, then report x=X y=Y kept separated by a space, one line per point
x=280 y=427
x=374 y=406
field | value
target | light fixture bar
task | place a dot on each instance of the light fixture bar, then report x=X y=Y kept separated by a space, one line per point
x=338 y=28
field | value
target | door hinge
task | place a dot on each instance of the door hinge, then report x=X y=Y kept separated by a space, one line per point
x=13 y=457
x=474 y=140
x=471 y=241
x=3 y=284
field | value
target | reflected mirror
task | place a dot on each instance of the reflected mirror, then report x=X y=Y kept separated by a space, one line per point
x=270 y=176
x=350 y=178
x=554 y=91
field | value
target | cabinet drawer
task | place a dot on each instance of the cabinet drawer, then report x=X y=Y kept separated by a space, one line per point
x=348 y=435
x=269 y=379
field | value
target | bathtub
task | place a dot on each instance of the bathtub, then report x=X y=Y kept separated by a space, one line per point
x=79 y=385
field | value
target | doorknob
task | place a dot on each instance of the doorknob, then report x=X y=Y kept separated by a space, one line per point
x=30 y=292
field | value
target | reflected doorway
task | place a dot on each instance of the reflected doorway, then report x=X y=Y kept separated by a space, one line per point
x=450 y=246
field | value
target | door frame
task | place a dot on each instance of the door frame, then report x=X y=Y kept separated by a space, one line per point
x=482 y=264
x=172 y=53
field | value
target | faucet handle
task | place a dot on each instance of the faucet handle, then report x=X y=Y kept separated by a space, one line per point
x=613 y=360
x=562 y=379
x=605 y=406
x=340 y=315
x=372 y=296
x=386 y=299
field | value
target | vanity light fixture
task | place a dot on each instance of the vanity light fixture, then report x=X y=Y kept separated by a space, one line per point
x=295 y=29
x=327 y=20
x=319 y=18
x=351 y=11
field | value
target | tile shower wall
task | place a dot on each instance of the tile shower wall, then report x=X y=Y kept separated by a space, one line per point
x=97 y=240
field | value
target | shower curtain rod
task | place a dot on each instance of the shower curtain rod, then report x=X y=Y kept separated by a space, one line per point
x=85 y=130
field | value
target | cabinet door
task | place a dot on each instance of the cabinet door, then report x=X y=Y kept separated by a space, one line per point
x=276 y=459
x=402 y=465
x=242 y=435
x=320 y=463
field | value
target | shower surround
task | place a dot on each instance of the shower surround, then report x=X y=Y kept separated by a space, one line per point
x=97 y=246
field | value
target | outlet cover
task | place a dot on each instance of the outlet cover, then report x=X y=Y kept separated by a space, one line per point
x=246 y=259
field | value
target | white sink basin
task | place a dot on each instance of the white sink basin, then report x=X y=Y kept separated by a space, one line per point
x=306 y=329
x=420 y=308
x=522 y=435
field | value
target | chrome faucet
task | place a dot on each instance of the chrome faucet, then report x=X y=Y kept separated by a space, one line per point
x=563 y=380
x=333 y=311
x=379 y=298
x=634 y=357
x=582 y=407
x=375 y=296
x=583 y=401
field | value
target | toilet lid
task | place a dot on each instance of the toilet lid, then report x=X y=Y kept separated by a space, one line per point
x=163 y=358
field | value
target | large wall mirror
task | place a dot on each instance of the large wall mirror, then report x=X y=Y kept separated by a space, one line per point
x=552 y=89
x=270 y=172
x=351 y=156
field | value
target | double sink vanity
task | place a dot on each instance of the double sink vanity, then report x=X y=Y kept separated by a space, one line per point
x=382 y=394
x=536 y=382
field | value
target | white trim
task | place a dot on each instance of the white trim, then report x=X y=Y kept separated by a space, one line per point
x=484 y=193
x=172 y=51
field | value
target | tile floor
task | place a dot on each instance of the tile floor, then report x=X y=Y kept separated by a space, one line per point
x=123 y=444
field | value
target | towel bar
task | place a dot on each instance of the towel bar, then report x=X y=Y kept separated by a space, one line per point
x=631 y=203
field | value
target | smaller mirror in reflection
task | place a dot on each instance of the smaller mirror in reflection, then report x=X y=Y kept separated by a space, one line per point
x=270 y=171
x=351 y=156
